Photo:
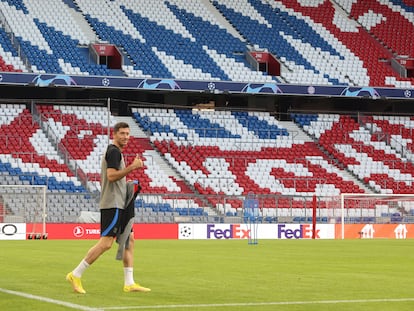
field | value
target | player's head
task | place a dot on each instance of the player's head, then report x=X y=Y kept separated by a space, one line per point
x=121 y=134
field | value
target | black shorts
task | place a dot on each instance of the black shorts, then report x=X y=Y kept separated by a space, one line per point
x=113 y=221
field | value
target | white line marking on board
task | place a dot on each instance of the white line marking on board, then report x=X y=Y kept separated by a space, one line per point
x=250 y=304
x=50 y=300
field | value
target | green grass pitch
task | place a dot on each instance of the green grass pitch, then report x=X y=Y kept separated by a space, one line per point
x=214 y=275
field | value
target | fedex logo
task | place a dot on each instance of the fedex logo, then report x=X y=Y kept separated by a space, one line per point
x=296 y=232
x=231 y=232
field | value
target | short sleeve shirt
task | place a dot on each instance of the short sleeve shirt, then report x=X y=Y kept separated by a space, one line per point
x=113 y=194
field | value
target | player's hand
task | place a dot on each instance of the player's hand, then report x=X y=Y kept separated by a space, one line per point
x=137 y=163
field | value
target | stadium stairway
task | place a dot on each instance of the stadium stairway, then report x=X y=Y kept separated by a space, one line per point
x=238 y=161
x=397 y=131
x=296 y=128
x=381 y=20
x=374 y=162
x=76 y=124
x=365 y=28
x=135 y=130
x=9 y=60
x=31 y=159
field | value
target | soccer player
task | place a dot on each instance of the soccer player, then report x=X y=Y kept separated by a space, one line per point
x=112 y=204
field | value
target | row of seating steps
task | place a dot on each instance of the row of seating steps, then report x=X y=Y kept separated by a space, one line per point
x=231 y=155
x=323 y=43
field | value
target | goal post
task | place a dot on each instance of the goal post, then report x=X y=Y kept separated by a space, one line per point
x=25 y=204
x=376 y=209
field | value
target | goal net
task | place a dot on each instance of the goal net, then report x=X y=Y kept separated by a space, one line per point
x=25 y=204
x=376 y=209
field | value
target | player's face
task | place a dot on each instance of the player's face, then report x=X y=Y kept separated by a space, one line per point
x=121 y=137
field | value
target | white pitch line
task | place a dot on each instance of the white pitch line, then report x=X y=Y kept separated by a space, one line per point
x=215 y=305
x=49 y=300
x=250 y=304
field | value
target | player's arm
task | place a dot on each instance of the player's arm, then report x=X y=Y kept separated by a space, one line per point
x=113 y=174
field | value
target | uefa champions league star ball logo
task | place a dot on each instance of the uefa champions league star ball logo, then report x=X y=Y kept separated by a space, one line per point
x=407 y=93
x=211 y=87
x=311 y=89
x=185 y=231
x=105 y=82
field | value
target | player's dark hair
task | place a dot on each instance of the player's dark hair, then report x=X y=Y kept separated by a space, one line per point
x=120 y=125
